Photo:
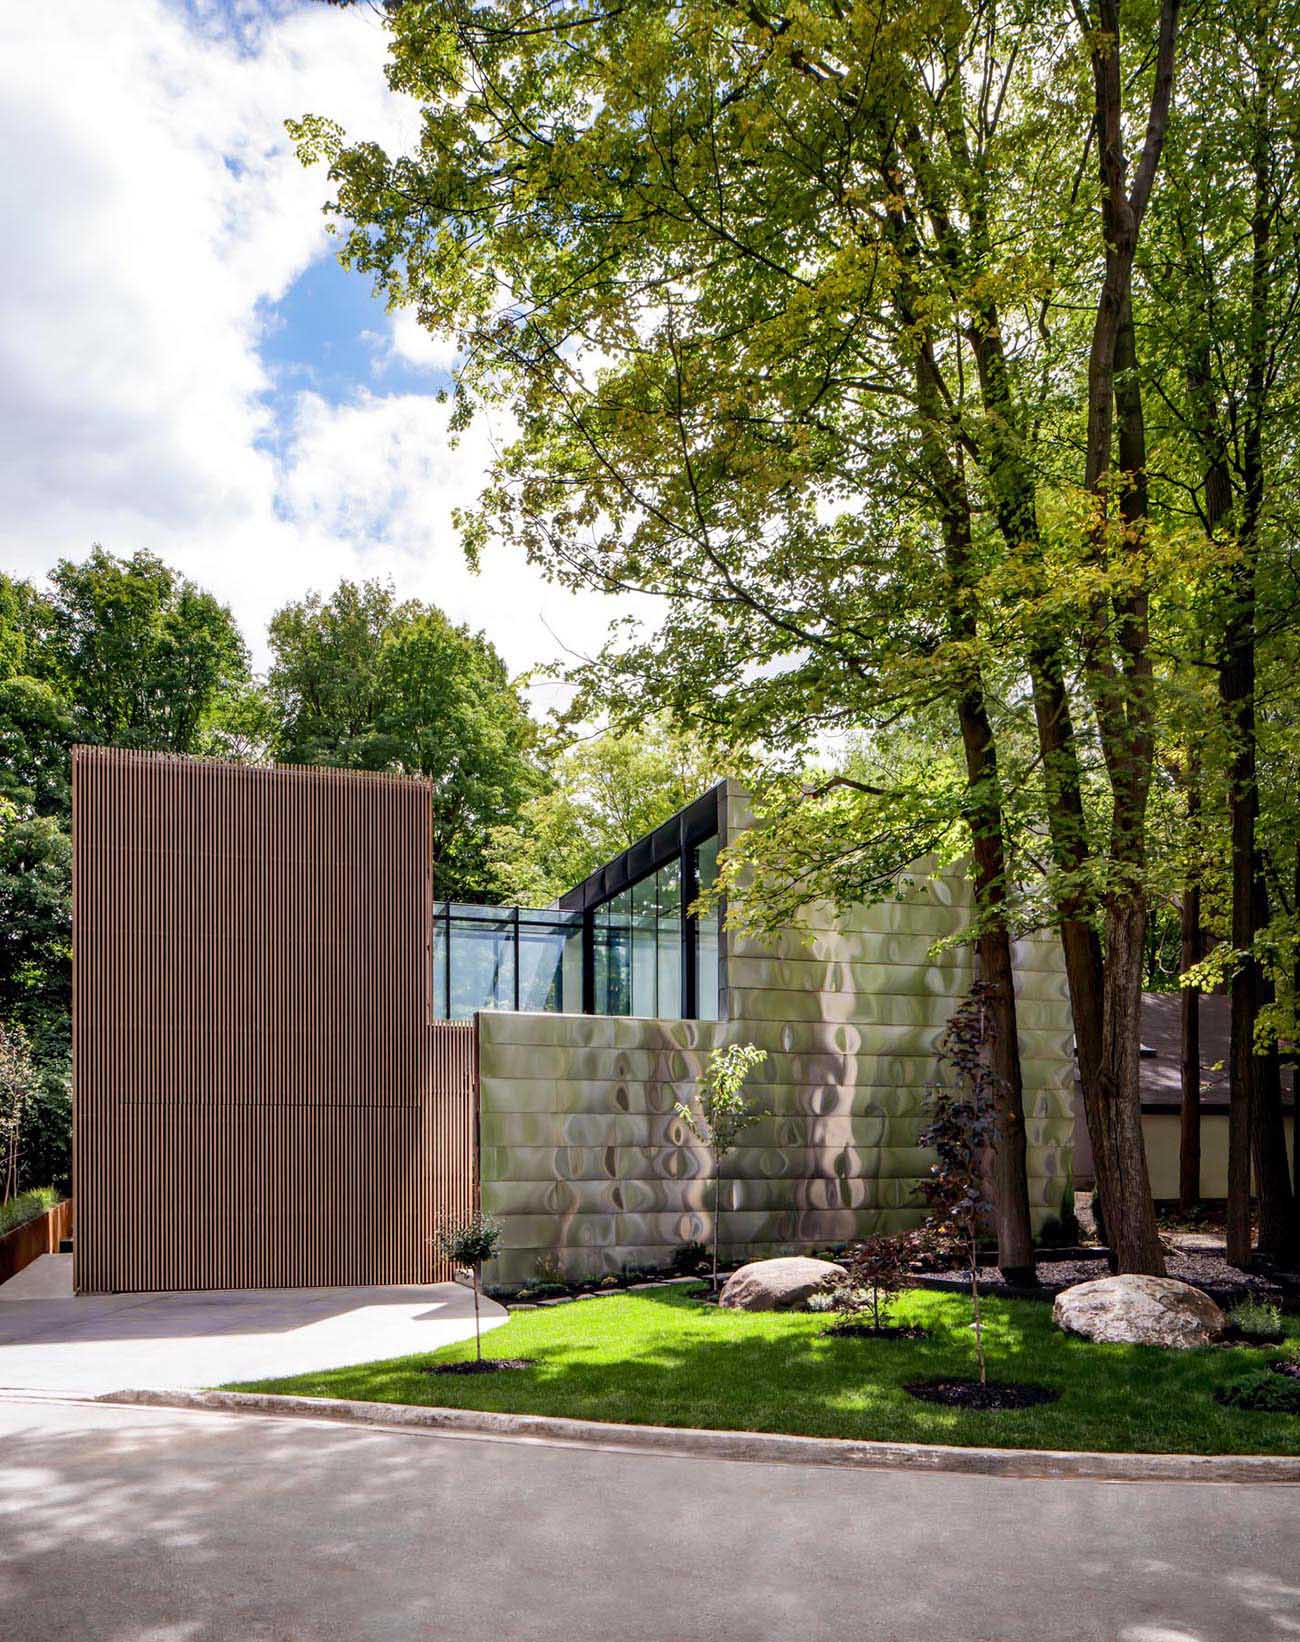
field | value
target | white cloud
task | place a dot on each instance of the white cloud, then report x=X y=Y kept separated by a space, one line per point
x=151 y=202
x=411 y=342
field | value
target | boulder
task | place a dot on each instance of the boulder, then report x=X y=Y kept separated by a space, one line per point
x=1140 y=1311
x=777 y=1285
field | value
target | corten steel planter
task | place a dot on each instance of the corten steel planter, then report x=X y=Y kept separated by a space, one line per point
x=28 y=1242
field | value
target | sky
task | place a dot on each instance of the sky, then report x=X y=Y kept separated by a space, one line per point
x=183 y=365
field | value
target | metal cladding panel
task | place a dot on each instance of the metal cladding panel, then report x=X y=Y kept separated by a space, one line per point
x=585 y=1159
x=260 y=1099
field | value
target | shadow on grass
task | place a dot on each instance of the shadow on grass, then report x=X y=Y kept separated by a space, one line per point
x=662 y=1357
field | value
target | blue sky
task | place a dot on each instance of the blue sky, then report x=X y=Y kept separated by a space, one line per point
x=330 y=335
x=183 y=366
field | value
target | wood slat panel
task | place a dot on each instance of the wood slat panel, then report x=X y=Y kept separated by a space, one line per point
x=260 y=1096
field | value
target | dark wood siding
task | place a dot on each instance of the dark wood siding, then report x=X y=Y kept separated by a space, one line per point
x=261 y=1099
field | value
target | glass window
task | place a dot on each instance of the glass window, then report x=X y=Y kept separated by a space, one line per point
x=546 y=967
x=482 y=963
x=612 y=945
x=440 y=966
x=644 y=918
x=707 y=936
x=520 y=958
x=669 y=995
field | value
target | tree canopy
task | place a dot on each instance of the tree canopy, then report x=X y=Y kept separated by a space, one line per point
x=888 y=349
x=365 y=682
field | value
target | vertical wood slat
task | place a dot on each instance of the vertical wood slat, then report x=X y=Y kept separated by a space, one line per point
x=260 y=1096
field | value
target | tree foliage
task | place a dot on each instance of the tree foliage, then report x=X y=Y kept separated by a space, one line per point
x=17 y=1084
x=606 y=793
x=468 y=1243
x=721 y=1114
x=362 y=681
x=934 y=367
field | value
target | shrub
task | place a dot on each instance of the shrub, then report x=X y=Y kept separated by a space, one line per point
x=548 y=1268
x=26 y=1206
x=1264 y=1392
x=469 y=1243
x=1289 y=1356
x=879 y=1267
x=687 y=1259
x=1257 y=1320
x=822 y=1300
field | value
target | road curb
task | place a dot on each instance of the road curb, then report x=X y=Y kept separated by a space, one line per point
x=755 y=1447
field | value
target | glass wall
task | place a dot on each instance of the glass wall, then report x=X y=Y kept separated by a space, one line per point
x=505 y=958
x=707 y=935
x=637 y=948
x=517 y=958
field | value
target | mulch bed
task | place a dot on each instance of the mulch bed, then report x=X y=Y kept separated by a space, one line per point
x=489 y=1365
x=971 y=1394
x=1204 y=1268
x=869 y=1331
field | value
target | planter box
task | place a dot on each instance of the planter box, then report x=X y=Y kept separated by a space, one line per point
x=43 y=1235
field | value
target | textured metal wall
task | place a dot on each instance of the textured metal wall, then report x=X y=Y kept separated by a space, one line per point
x=260 y=1098
x=583 y=1155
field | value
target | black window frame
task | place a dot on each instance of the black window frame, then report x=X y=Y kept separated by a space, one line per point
x=676 y=840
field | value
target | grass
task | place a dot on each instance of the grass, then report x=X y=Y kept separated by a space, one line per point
x=660 y=1357
x=26 y=1206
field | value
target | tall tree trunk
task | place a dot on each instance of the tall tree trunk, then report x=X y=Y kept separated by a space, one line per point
x=1237 y=698
x=1117 y=652
x=1189 y=1125
x=994 y=960
x=1237 y=670
x=1295 y=1046
x=1119 y=1153
x=1277 y=1230
x=944 y=471
x=1105 y=998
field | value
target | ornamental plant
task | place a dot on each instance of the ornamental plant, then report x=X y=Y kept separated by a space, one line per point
x=879 y=1268
x=961 y=1129
x=722 y=1114
x=468 y=1243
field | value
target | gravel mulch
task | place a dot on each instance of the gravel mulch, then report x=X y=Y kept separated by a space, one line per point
x=971 y=1394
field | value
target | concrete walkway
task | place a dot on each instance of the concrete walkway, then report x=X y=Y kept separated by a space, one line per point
x=89 y=1344
x=148 y=1525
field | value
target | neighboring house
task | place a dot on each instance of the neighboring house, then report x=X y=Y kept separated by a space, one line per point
x=290 y=1064
x=1162 y=1097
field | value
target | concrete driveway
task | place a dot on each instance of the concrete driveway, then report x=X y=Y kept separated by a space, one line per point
x=150 y=1525
x=88 y=1344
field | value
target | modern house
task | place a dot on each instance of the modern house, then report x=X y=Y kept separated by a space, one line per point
x=291 y=1062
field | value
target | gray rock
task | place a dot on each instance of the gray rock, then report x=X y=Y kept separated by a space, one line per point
x=1143 y=1311
x=777 y=1285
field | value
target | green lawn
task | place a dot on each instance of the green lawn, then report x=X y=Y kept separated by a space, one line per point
x=660 y=1357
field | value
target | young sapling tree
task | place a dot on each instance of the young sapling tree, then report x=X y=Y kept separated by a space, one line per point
x=468 y=1243
x=961 y=1128
x=879 y=1267
x=721 y=1114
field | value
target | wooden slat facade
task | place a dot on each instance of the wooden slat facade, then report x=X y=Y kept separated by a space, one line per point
x=260 y=1096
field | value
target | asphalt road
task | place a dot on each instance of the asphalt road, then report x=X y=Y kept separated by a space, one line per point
x=150 y=1525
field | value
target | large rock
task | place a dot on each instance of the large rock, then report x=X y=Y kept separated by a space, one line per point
x=777 y=1285
x=1140 y=1311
